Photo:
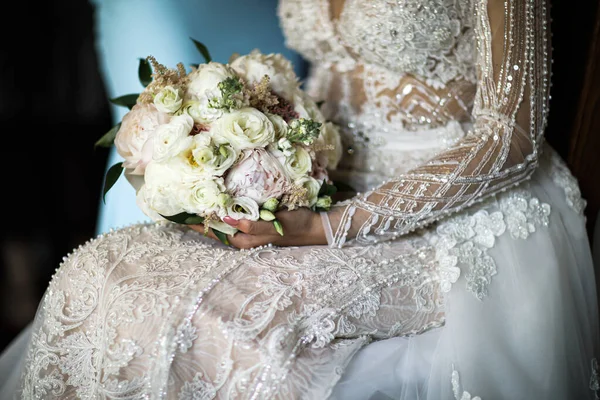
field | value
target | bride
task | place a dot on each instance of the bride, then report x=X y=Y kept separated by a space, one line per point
x=461 y=268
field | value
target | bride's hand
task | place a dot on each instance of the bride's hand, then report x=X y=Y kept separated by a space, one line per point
x=301 y=227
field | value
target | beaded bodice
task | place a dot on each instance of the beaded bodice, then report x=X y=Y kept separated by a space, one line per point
x=431 y=39
x=441 y=102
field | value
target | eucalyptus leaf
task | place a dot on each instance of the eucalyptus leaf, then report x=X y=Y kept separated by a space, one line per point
x=108 y=139
x=112 y=175
x=144 y=72
x=127 y=100
x=184 y=218
x=203 y=50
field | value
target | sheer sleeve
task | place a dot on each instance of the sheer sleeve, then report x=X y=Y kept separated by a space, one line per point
x=501 y=150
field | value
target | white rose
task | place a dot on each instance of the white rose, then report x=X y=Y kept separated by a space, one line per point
x=203 y=196
x=299 y=163
x=246 y=128
x=329 y=137
x=243 y=208
x=312 y=187
x=133 y=141
x=206 y=78
x=172 y=138
x=279 y=124
x=168 y=100
x=200 y=111
x=254 y=66
x=258 y=175
x=214 y=160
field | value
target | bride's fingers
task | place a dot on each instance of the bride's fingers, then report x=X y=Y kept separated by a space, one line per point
x=200 y=228
x=255 y=228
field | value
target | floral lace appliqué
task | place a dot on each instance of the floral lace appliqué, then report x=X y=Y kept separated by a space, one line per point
x=459 y=394
x=466 y=239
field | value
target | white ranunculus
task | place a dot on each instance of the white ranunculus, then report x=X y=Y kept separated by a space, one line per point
x=203 y=196
x=306 y=107
x=172 y=138
x=134 y=138
x=258 y=175
x=243 y=129
x=299 y=163
x=312 y=187
x=329 y=137
x=200 y=111
x=279 y=124
x=213 y=159
x=168 y=100
x=206 y=78
x=244 y=208
x=254 y=66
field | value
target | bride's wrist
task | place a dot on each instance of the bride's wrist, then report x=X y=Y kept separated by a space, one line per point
x=317 y=233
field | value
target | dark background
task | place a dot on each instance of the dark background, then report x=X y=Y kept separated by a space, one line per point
x=53 y=108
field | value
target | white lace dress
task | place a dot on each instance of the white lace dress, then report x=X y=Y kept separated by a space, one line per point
x=461 y=269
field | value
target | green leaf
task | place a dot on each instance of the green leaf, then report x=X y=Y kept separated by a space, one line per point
x=184 y=218
x=193 y=219
x=222 y=237
x=109 y=137
x=344 y=187
x=327 y=189
x=144 y=72
x=112 y=175
x=128 y=100
x=203 y=50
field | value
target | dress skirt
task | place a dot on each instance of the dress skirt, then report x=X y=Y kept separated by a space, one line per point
x=497 y=301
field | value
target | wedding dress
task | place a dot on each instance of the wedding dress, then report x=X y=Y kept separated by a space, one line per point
x=461 y=270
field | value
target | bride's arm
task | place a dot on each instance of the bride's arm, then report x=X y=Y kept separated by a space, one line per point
x=500 y=151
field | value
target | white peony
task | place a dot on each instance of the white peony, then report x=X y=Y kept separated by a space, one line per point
x=312 y=187
x=157 y=200
x=133 y=138
x=244 y=208
x=254 y=66
x=172 y=138
x=168 y=100
x=243 y=129
x=258 y=175
x=204 y=81
x=299 y=163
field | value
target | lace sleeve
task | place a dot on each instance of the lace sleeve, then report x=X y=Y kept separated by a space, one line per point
x=501 y=150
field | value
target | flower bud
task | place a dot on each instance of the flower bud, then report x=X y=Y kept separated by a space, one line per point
x=267 y=215
x=278 y=227
x=324 y=202
x=271 y=204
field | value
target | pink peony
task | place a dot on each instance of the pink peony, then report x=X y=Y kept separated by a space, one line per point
x=258 y=175
x=132 y=143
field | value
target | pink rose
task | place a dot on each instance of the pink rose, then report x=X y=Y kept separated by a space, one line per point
x=258 y=175
x=132 y=143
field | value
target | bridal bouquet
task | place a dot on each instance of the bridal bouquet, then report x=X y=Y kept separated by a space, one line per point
x=238 y=139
